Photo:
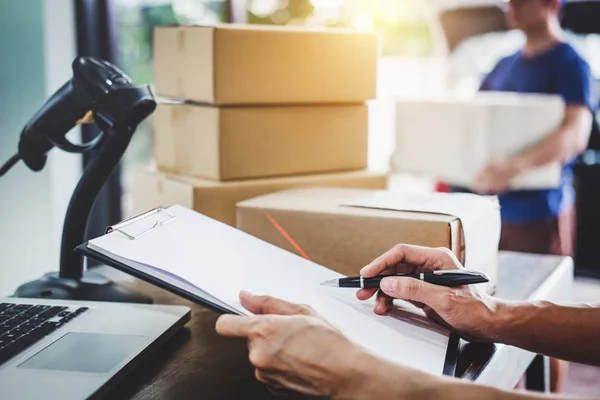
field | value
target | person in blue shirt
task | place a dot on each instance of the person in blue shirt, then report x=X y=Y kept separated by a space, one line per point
x=541 y=221
x=532 y=219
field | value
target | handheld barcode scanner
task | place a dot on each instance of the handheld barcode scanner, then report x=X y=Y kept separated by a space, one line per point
x=98 y=93
x=102 y=94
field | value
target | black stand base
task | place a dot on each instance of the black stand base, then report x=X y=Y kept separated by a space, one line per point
x=92 y=287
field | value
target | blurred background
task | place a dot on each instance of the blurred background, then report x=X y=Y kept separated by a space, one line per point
x=406 y=26
x=429 y=47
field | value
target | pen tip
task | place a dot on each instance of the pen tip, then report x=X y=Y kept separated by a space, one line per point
x=333 y=282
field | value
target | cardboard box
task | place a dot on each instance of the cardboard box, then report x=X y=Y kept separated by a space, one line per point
x=257 y=142
x=345 y=229
x=218 y=199
x=453 y=139
x=242 y=64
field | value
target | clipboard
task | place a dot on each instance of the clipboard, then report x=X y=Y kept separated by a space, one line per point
x=187 y=290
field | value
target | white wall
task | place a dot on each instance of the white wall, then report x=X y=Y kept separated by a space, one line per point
x=37 y=46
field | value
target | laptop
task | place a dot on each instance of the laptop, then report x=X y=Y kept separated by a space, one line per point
x=63 y=349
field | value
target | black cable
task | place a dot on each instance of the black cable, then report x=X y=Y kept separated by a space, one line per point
x=9 y=164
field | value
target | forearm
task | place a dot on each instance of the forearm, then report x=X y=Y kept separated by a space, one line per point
x=383 y=380
x=564 y=144
x=565 y=332
x=558 y=147
x=449 y=389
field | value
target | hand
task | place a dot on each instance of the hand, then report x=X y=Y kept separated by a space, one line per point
x=293 y=348
x=462 y=309
x=496 y=177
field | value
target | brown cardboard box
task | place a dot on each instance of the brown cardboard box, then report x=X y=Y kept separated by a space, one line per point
x=218 y=199
x=346 y=238
x=257 y=142
x=242 y=64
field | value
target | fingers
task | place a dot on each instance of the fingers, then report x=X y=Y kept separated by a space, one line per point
x=235 y=326
x=436 y=297
x=272 y=305
x=366 y=294
x=484 y=187
x=383 y=303
x=271 y=381
x=416 y=303
x=266 y=378
x=479 y=186
x=280 y=384
x=424 y=258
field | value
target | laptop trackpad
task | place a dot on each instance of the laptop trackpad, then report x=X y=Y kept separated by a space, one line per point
x=86 y=352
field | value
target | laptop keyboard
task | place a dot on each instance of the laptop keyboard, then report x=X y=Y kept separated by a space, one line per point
x=22 y=325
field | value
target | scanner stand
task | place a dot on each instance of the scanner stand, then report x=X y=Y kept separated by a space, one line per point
x=72 y=282
x=91 y=287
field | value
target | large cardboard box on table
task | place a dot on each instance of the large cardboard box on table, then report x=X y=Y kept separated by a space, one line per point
x=345 y=229
x=256 y=142
x=218 y=199
x=454 y=138
x=242 y=64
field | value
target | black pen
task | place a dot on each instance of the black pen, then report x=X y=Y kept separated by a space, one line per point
x=448 y=278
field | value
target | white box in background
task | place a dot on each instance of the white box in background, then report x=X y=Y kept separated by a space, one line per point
x=453 y=139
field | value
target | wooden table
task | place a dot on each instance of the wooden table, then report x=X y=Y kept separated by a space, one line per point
x=198 y=363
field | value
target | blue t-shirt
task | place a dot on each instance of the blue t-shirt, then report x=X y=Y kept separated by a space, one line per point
x=561 y=71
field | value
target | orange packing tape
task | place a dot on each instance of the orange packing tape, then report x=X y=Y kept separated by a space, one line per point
x=287 y=237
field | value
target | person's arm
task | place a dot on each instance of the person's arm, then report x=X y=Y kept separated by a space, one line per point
x=561 y=146
x=566 y=332
x=383 y=380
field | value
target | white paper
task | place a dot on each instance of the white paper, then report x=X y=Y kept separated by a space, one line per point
x=222 y=261
x=171 y=280
x=479 y=217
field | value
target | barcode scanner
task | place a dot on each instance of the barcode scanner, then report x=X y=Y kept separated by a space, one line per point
x=99 y=93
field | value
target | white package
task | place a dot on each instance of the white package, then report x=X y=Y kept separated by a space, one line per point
x=454 y=138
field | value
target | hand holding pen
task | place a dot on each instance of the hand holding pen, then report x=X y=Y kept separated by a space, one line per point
x=463 y=308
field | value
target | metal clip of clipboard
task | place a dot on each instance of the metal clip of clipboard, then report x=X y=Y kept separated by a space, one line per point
x=119 y=227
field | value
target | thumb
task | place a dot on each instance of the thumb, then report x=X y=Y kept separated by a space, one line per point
x=412 y=289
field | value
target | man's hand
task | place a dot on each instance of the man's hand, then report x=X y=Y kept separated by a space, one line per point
x=294 y=349
x=496 y=177
x=463 y=309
